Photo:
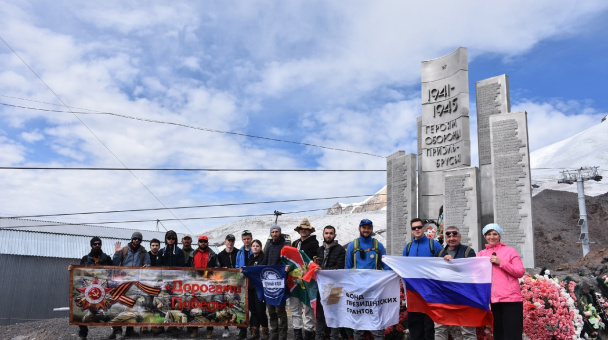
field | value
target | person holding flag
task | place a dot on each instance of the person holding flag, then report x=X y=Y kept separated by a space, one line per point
x=331 y=255
x=302 y=315
x=507 y=268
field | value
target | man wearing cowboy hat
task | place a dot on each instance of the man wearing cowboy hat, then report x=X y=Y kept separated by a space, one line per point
x=302 y=315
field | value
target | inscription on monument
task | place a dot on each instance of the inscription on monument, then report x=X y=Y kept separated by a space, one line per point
x=509 y=177
x=456 y=203
x=401 y=199
x=487 y=105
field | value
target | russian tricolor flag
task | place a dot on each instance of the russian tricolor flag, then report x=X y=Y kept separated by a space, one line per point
x=455 y=292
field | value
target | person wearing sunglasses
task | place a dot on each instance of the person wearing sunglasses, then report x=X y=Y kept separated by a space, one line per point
x=420 y=325
x=96 y=257
x=171 y=255
x=131 y=255
x=202 y=257
x=454 y=250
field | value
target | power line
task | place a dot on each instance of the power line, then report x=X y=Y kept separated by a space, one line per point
x=190 y=207
x=172 y=219
x=188 y=169
x=195 y=128
x=89 y=129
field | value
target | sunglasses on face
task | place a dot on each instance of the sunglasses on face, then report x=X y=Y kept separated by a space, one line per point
x=417 y=228
x=97 y=243
x=203 y=241
x=246 y=232
x=451 y=233
x=136 y=239
x=171 y=238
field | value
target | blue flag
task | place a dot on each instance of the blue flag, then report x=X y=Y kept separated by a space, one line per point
x=269 y=283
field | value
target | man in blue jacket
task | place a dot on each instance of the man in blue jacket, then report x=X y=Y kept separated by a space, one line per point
x=365 y=252
x=420 y=325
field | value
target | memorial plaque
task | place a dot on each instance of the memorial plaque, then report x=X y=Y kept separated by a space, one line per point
x=461 y=208
x=443 y=132
x=492 y=96
x=511 y=182
x=401 y=200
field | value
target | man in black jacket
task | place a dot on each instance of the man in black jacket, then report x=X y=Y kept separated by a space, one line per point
x=171 y=255
x=227 y=259
x=277 y=314
x=302 y=316
x=330 y=255
x=154 y=255
x=96 y=257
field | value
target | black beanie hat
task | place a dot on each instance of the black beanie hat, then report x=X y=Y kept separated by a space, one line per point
x=94 y=239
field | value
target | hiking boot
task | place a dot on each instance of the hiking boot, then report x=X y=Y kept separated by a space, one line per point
x=264 y=334
x=194 y=333
x=242 y=333
x=209 y=334
x=255 y=334
x=226 y=333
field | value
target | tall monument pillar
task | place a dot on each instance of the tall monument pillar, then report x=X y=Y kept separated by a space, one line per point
x=401 y=199
x=511 y=182
x=444 y=141
x=492 y=99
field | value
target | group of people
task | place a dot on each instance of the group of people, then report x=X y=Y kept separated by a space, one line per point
x=365 y=252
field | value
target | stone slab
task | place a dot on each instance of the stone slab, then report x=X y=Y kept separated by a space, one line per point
x=461 y=208
x=401 y=199
x=511 y=182
x=445 y=105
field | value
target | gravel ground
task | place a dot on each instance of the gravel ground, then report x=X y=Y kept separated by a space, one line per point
x=60 y=329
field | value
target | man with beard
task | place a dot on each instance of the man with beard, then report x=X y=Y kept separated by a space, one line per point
x=132 y=255
x=330 y=255
x=171 y=255
x=277 y=315
x=365 y=252
x=154 y=256
x=202 y=257
x=187 y=246
x=96 y=257
x=302 y=316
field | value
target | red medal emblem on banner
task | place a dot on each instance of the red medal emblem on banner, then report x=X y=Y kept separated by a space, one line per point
x=93 y=295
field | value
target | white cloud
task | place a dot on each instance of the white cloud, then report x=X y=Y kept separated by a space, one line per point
x=556 y=120
x=32 y=137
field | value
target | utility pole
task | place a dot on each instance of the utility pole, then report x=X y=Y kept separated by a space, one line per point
x=580 y=176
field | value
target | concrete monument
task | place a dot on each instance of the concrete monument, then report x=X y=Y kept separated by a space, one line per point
x=492 y=99
x=443 y=130
x=510 y=156
x=461 y=207
x=401 y=199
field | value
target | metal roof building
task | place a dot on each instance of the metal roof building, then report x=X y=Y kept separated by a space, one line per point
x=34 y=256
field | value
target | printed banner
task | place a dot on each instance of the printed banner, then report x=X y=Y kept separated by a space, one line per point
x=154 y=296
x=359 y=298
x=455 y=292
x=269 y=283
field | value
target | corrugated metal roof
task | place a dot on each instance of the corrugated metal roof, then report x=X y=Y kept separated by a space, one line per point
x=53 y=239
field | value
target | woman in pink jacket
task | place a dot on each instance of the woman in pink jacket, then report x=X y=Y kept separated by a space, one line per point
x=506 y=301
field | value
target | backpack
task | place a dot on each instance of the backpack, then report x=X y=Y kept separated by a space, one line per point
x=142 y=254
x=443 y=251
x=431 y=246
x=356 y=249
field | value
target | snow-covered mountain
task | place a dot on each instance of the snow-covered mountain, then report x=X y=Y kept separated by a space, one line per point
x=588 y=148
x=347 y=227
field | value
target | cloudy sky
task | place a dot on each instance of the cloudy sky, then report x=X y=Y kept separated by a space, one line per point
x=339 y=74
